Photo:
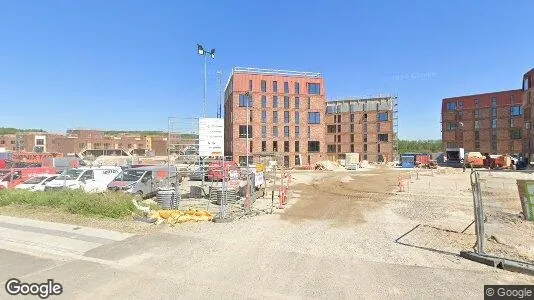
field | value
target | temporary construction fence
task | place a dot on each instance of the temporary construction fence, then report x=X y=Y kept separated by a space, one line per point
x=503 y=202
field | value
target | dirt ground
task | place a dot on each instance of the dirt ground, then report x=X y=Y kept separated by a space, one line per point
x=343 y=198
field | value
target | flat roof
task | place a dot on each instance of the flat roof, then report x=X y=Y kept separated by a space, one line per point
x=275 y=72
x=484 y=94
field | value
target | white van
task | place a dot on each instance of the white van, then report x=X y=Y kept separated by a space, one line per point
x=89 y=179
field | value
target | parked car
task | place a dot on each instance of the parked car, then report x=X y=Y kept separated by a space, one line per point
x=9 y=178
x=144 y=181
x=199 y=174
x=37 y=183
x=89 y=179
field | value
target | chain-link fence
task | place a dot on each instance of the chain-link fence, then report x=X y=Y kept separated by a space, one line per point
x=503 y=205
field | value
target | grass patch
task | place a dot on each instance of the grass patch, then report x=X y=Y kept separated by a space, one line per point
x=110 y=204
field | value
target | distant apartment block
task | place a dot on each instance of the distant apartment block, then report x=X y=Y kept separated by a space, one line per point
x=366 y=126
x=85 y=142
x=285 y=112
x=496 y=122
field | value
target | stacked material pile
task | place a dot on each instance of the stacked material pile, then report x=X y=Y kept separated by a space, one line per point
x=178 y=216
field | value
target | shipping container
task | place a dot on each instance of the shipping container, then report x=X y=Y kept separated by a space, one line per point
x=422 y=159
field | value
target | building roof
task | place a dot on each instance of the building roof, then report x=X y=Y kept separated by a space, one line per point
x=275 y=72
x=484 y=94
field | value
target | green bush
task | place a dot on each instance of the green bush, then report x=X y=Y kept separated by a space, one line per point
x=109 y=204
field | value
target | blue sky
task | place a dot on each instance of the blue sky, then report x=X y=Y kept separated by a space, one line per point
x=131 y=64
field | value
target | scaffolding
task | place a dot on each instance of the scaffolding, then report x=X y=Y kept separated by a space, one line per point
x=395 y=141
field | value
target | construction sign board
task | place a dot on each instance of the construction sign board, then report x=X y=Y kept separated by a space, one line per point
x=211 y=137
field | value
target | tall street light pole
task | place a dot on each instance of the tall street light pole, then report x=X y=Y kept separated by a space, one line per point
x=201 y=51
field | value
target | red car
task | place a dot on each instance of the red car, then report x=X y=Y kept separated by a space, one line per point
x=9 y=178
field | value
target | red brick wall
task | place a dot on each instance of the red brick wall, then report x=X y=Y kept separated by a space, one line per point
x=236 y=116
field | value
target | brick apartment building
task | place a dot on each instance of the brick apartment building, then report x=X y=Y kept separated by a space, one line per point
x=286 y=116
x=85 y=142
x=495 y=123
x=528 y=105
x=365 y=126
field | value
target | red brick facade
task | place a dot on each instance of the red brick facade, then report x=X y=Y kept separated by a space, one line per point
x=488 y=123
x=362 y=126
x=278 y=99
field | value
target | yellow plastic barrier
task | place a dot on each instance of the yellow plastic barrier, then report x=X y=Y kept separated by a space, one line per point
x=178 y=216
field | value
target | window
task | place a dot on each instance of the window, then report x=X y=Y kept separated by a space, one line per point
x=476 y=113
x=383 y=116
x=314 y=118
x=338 y=148
x=494 y=123
x=286 y=131
x=451 y=105
x=338 y=128
x=250 y=85
x=243 y=131
x=313 y=146
x=264 y=131
x=245 y=101
x=309 y=103
x=382 y=137
x=314 y=88
x=297 y=88
x=352 y=138
x=339 y=138
x=297 y=131
x=286 y=161
x=297 y=102
x=263 y=116
x=493 y=102
x=515 y=134
x=286 y=117
x=275 y=117
x=297 y=148
x=515 y=110
x=477 y=124
x=365 y=147
x=527 y=125
x=331 y=128
x=264 y=86
x=339 y=118
x=275 y=101
x=275 y=146
x=351 y=148
x=477 y=135
x=251 y=148
x=263 y=146
x=494 y=112
x=351 y=127
x=39 y=142
x=286 y=146
x=297 y=160
x=365 y=117
x=297 y=117
x=275 y=87
x=286 y=102
x=286 y=87
x=451 y=126
x=476 y=102
x=88 y=175
x=460 y=104
x=263 y=101
x=352 y=118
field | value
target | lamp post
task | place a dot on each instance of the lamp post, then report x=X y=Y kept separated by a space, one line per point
x=201 y=51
